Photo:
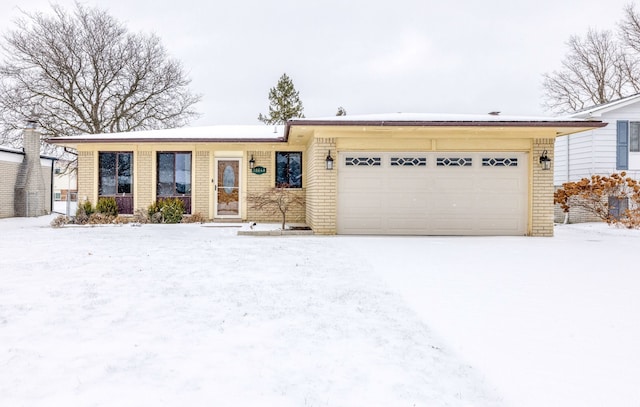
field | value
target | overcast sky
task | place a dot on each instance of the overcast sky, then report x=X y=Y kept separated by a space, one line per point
x=417 y=56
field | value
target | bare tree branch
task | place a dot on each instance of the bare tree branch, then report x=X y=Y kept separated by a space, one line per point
x=595 y=71
x=83 y=72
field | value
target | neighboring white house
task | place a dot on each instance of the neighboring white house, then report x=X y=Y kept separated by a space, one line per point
x=65 y=187
x=601 y=151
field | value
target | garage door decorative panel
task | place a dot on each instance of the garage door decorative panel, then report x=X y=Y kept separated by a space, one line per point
x=433 y=193
x=408 y=161
x=499 y=162
x=363 y=161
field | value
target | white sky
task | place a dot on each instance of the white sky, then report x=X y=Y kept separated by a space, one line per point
x=370 y=57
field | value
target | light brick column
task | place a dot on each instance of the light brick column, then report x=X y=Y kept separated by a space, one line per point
x=542 y=206
x=145 y=180
x=322 y=187
x=87 y=178
x=200 y=197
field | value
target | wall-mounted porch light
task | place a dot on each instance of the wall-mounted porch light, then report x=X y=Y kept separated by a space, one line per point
x=329 y=161
x=252 y=162
x=545 y=161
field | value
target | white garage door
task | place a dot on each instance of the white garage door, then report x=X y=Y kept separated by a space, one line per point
x=432 y=193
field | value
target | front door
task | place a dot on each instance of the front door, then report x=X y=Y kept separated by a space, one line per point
x=227 y=188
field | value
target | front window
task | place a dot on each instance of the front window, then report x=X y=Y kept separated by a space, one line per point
x=289 y=169
x=174 y=177
x=174 y=174
x=634 y=137
x=115 y=174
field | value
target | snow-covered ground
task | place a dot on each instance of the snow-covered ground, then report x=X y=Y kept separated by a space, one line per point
x=196 y=315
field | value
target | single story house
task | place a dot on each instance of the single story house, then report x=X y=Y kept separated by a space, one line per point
x=399 y=174
x=601 y=150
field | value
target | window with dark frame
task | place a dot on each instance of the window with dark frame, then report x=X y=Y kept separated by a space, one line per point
x=174 y=174
x=115 y=179
x=289 y=169
x=116 y=175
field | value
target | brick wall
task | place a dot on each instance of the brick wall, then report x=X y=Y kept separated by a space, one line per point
x=144 y=179
x=200 y=192
x=322 y=191
x=86 y=177
x=8 y=175
x=260 y=183
x=543 y=208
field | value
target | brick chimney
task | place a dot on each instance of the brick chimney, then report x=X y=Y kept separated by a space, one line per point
x=30 y=191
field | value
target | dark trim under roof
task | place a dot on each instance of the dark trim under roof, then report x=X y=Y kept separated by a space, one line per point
x=107 y=139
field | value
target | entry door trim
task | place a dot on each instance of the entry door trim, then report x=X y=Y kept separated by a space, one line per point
x=218 y=211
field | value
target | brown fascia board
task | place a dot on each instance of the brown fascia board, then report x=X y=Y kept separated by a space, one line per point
x=62 y=140
x=382 y=123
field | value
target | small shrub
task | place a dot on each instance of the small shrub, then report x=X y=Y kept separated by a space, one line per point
x=195 y=218
x=107 y=206
x=123 y=219
x=83 y=212
x=172 y=210
x=140 y=216
x=169 y=210
x=60 y=221
x=86 y=207
x=99 y=218
x=155 y=208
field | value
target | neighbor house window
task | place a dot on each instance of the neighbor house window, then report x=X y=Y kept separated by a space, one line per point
x=289 y=169
x=634 y=137
x=174 y=177
x=116 y=178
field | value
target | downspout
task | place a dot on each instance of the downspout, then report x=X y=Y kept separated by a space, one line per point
x=566 y=215
x=51 y=188
x=68 y=205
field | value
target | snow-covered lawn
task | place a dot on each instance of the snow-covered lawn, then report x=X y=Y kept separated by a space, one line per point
x=193 y=315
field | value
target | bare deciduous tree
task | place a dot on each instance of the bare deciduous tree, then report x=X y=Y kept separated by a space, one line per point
x=277 y=200
x=594 y=71
x=84 y=72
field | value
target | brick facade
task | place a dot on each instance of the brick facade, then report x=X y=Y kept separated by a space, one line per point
x=143 y=168
x=260 y=183
x=87 y=178
x=200 y=192
x=8 y=174
x=322 y=187
x=542 y=190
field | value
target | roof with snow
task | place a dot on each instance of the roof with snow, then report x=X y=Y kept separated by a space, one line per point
x=256 y=133
x=269 y=133
x=598 y=110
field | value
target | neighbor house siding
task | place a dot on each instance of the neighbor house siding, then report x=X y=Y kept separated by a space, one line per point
x=9 y=165
x=593 y=152
x=9 y=168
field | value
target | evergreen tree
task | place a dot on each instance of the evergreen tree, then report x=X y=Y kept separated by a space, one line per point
x=284 y=103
